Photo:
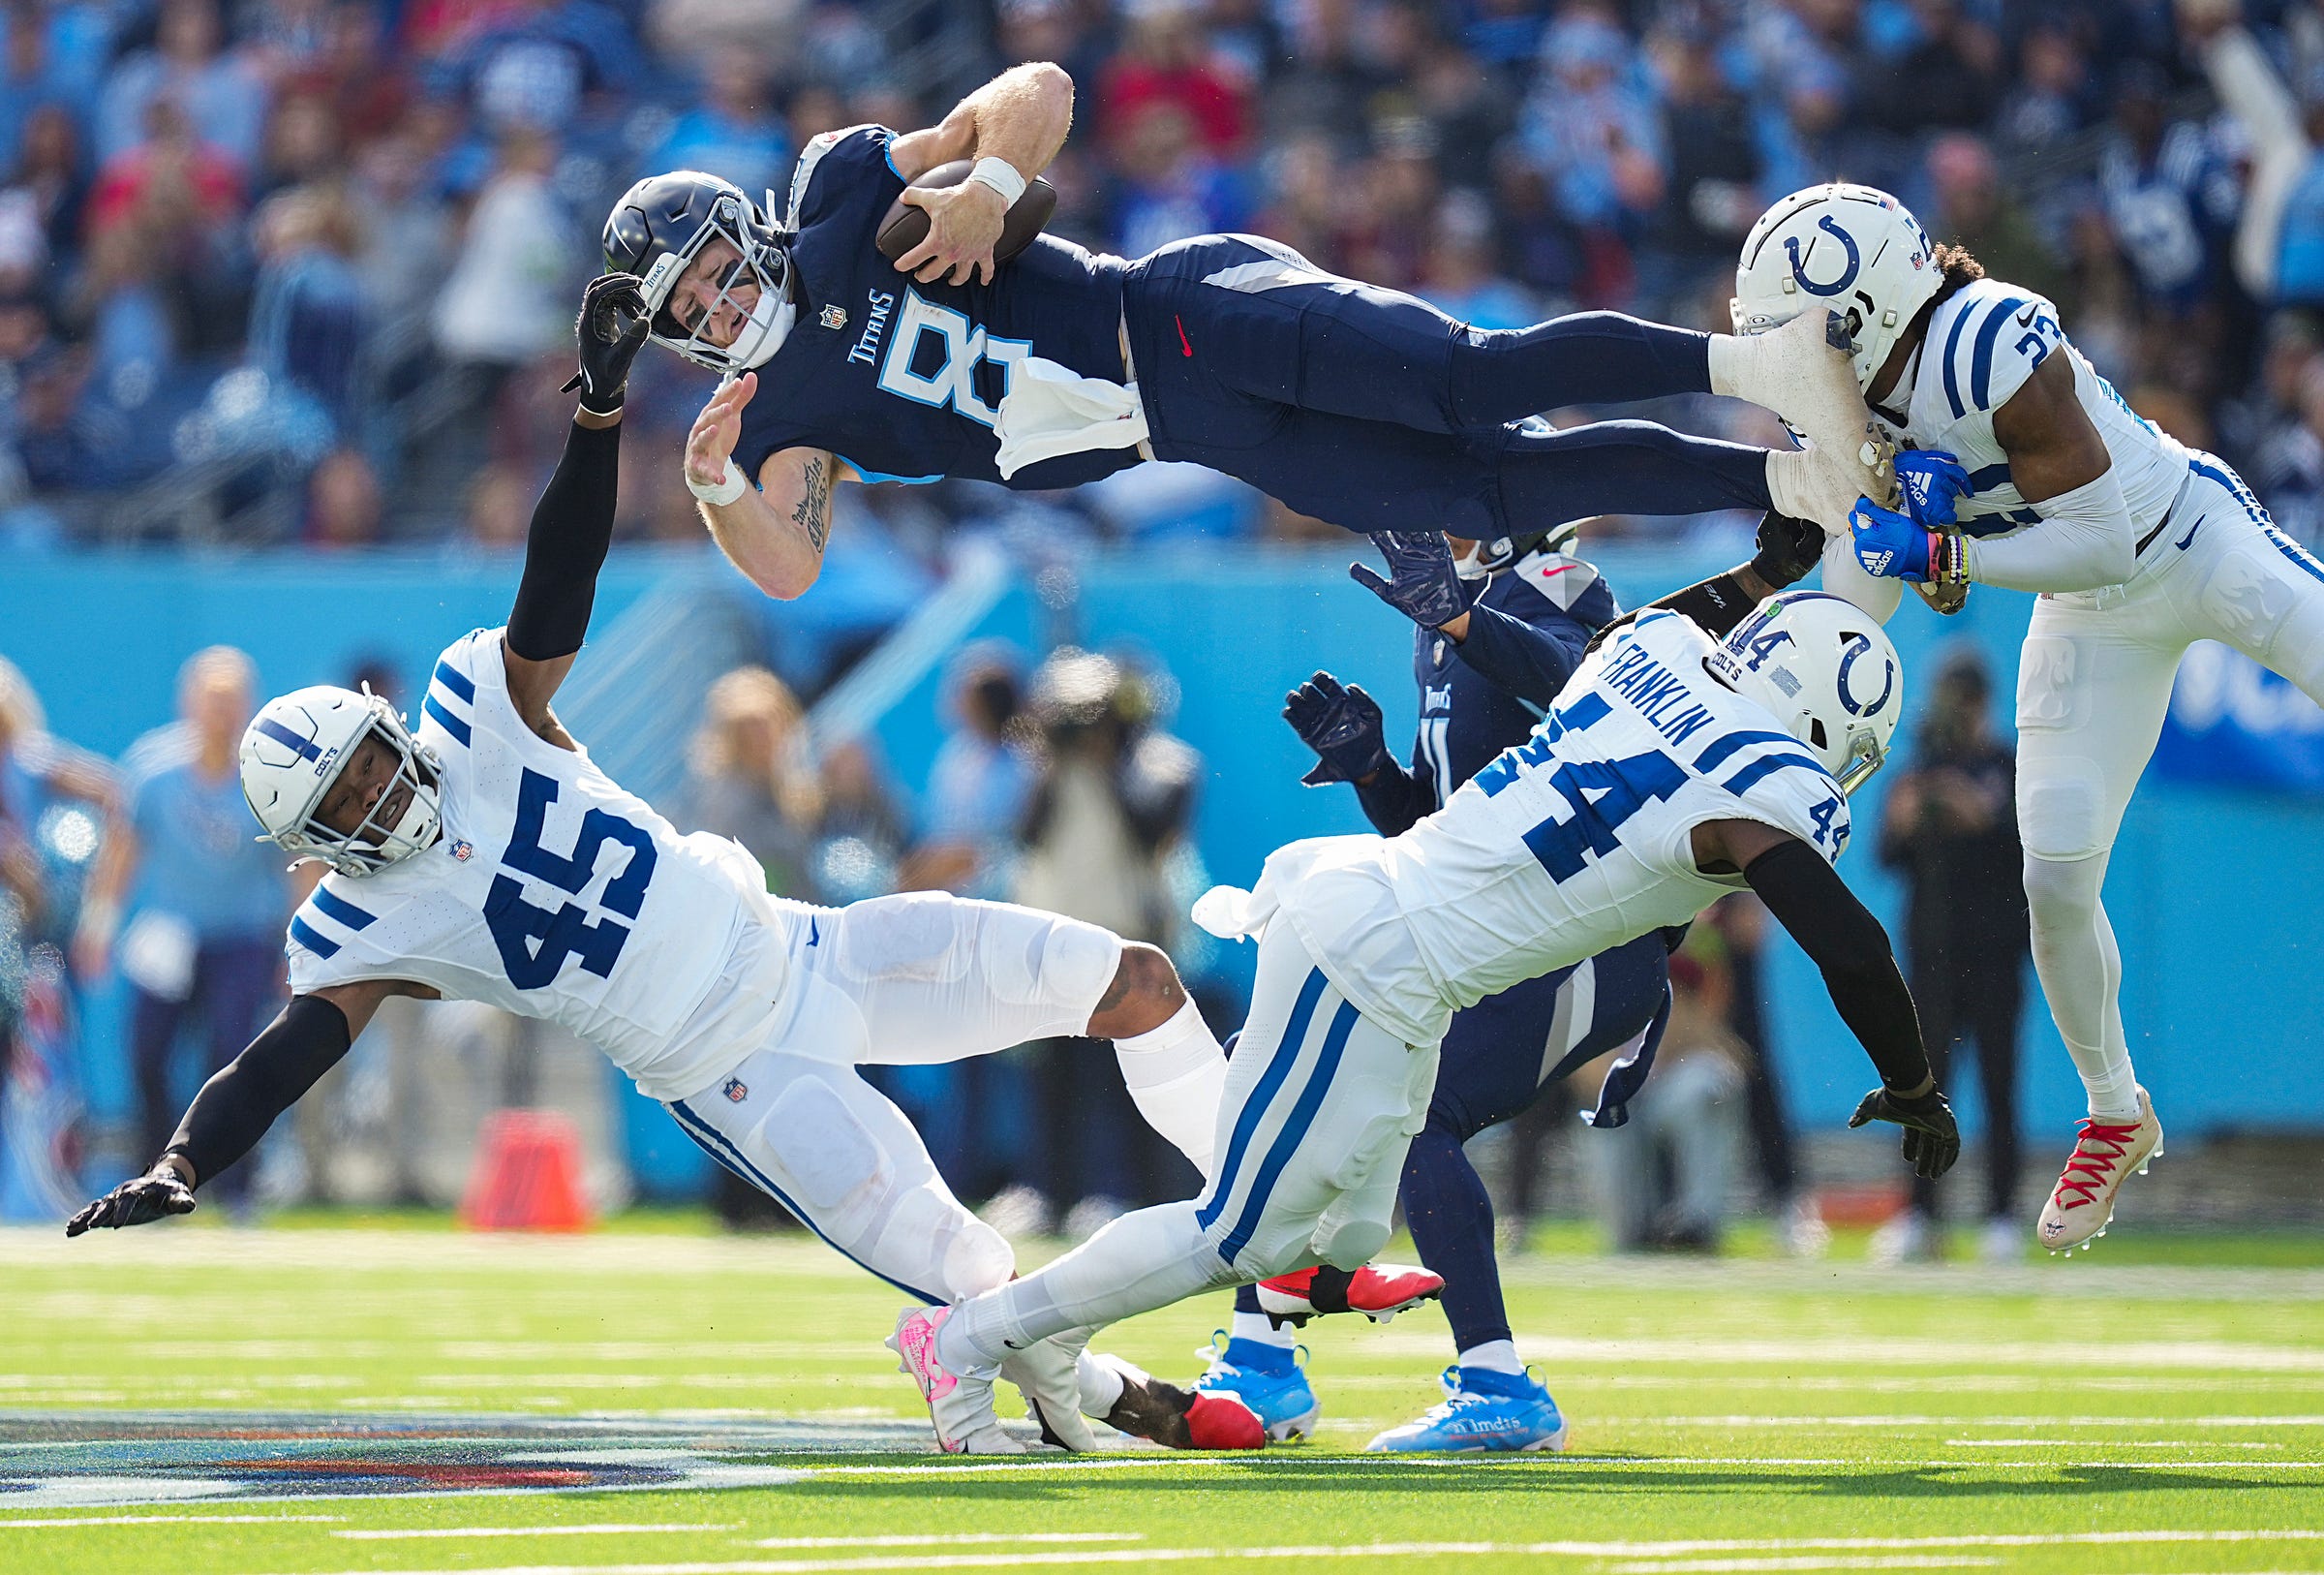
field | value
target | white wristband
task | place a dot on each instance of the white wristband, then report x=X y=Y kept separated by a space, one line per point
x=723 y=492
x=1001 y=176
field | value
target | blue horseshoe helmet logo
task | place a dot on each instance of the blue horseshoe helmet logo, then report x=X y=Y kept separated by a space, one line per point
x=1848 y=275
x=1857 y=645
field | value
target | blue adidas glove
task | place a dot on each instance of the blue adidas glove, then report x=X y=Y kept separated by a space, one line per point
x=1932 y=481
x=1889 y=545
x=1421 y=582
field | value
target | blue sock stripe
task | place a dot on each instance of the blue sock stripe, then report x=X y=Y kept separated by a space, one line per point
x=714 y=1143
x=1294 y=1130
x=1279 y=1067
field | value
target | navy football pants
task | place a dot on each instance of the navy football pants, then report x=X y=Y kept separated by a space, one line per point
x=1373 y=410
x=1495 y=1062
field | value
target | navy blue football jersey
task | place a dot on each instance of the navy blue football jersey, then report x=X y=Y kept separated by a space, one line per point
x=1528 y=629
x=903 y=381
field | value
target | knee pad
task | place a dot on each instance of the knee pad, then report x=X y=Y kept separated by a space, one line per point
x=1352 y=1245
x=2061 y=892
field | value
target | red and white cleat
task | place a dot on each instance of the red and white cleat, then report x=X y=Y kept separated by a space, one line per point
x=1377 y=1290
x=2105 y=1155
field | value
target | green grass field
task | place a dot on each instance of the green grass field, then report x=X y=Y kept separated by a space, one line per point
x=2154 y=1409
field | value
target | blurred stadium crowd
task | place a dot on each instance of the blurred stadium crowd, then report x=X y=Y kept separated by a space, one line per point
x=297 y=269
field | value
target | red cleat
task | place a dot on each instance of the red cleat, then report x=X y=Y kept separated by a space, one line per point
x=1180 y=1418
x=1377 y=1290
x=1224 y=1422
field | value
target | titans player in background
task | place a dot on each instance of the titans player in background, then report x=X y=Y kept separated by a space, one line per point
x=1358 y=405
x=1499 y=628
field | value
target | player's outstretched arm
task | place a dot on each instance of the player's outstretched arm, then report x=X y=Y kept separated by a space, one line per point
x=241 y=1101
x=573 y=523
x=2086 y=538
x=1851 y=950
x=1787 y=549
x=1012 y=127
x=775 y=532
x=1528 y=661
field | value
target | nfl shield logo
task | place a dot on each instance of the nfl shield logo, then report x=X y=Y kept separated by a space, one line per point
x=464 y=849
x=736 y=1091
x=834 y=317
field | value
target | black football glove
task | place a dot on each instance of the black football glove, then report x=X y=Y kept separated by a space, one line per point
x=611 y=327
x=1931 y=1141
x=1787 y=549
x=138 y=1201
x=1341 y=724
x=1421 y=582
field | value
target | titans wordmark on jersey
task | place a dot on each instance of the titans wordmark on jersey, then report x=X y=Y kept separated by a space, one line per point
x=1571 y=843
x=552 y=893
x=1983 y=343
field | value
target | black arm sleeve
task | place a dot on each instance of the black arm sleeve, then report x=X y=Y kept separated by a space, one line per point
x=1717 y=603
x=1847 y=943
x=1526 y=660
x=1395 y=799
x=241 y=1101
x=573 y=528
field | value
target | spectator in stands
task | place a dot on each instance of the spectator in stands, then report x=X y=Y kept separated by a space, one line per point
x=209 y=902
x=1713 y=194
x=40 y=771
x=343 y=502
x=1948 y=79
x=732 y=130
x=977 y=786
x=1166 y=58
x=47 y=190
x=307 y=317
x=2169 y=195
x=749 y=777
x=1949 y=829
x=1974 y=208
x=1460 y=280
x=1167 y=186
x=536 y=65
x=1735 y=934
x=503 y=303
x=222 y=94
x=1686 y=1124
x=1591 y=124
x=2054 y=97
x=1111 y=796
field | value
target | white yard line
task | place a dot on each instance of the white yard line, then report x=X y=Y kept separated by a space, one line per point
x=1832 y=1556
x=2119 y=1444
x=527 y=1531
x=941 y=1541
x=175 y=1520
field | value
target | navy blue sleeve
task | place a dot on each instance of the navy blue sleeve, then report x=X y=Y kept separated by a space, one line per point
x=1395 y=798
x=1530 y=660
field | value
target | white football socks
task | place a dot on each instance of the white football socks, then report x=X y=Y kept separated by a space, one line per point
x=1494 y=1356
x=1177 y=1074
x=1260 y=1327
x=2081 y=971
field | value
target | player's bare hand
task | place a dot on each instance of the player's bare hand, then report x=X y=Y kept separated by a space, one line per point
x=138 y=1201
x=964 y=225
x=718 y=429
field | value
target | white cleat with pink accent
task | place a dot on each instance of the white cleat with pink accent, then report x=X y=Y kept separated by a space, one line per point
x=2105 y=1155
x=960 y=1406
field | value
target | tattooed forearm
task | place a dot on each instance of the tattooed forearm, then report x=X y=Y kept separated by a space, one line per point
x=813 y=514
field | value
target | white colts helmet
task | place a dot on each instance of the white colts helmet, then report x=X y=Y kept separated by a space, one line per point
x=1825 y=666
x=1855 y=250
x=295 y=750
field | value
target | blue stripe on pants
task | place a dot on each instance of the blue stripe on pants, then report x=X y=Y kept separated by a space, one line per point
x=1294 y=1131
x=714 y=1143
x=1279 y=1067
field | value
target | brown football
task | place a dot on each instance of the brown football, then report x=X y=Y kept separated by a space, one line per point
x=905 y=226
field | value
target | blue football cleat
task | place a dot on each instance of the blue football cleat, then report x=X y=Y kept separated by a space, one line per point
x=1483 y=1412
x=1267 y=1378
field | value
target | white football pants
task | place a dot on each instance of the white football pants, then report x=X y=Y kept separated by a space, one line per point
x=1320 y=1107
x=920 y=978
x=2094 y=682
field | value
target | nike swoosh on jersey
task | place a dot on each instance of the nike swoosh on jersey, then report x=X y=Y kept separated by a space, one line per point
x=2025 y=319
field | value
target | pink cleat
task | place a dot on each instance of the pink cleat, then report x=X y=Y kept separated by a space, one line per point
x=960 y=1406
x=1377 y=1290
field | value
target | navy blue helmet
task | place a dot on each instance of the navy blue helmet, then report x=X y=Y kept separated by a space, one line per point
x=657 y=229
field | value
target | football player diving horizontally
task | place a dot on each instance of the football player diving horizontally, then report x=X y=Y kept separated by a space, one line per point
x=1354 y=404
x=2036 y=475
x=1499 y=627
x=1674 y=768
x=487 y=857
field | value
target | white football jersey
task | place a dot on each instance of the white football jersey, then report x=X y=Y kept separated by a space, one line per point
x=553 y=893
x=1571 y=843
x=1981 y=346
